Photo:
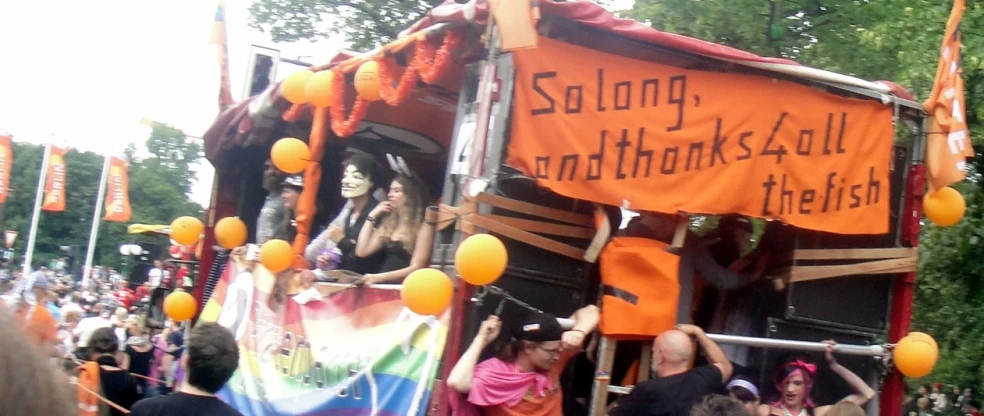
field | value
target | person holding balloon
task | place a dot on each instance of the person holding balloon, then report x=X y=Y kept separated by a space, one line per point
x=397 y=230
x=794 y=380
x=524 y=379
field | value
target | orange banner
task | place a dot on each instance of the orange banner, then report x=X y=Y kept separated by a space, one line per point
x=117 y=192
x=645 y=136
x=947 y=136
x=6 y=160
x=54 y=185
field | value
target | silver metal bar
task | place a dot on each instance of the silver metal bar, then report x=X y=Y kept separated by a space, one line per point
x=845 y=349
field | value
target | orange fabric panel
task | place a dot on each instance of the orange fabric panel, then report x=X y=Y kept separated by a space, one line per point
x=517 y=24
x=645 y=136
x=88 y=403
x=306 y=204
x=118 y=195
x=948 y=142
x=54 y=185
x=6 y=161
x=647 y=274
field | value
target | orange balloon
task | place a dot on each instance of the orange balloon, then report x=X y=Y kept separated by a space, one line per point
x=230 y=232
x=186 y=230
x=945 y=207
x=915 y=356
x=481 y=259
x=292 y=87
x=318 y=89
x=290 y=155
x=427 y=291
x=180 y=306
x=367 y=81
x=276 y=255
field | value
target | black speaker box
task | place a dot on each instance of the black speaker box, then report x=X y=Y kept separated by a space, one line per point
x=855 y=302
x=830 y=388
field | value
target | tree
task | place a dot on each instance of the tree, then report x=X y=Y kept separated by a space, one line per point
x=159 y=187
x=363 y=23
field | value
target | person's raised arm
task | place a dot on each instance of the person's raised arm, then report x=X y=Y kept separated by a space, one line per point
x=715 y=355
x=369 y=241
x=460 y=378
x=420 y=258
x=585 y=322
x=863 y=392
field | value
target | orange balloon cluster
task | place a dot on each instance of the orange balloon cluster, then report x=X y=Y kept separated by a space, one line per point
x=481 y=259
x=427 y=291
x=945 y=207
x=290 y=155
x=180 y=306
x=916 y=354
x=276 y=255
x=186 y=230
x=230 y=232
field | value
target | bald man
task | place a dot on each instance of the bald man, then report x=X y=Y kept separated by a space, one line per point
x=677 y=386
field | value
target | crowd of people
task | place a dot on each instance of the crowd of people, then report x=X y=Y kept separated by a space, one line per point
x=111 y=342
x=934 y=400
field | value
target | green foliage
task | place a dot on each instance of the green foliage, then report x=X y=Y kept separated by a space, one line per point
x=364 y=23
x=159 y=187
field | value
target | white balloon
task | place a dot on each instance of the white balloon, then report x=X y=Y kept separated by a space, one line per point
x=136 y=250
x=125 y=249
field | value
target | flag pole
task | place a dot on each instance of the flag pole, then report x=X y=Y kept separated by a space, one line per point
x=96 y=220
x=38 y=200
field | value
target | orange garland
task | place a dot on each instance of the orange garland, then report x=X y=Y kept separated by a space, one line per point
x=427 y=64
x=293 y=113
x=342 y=126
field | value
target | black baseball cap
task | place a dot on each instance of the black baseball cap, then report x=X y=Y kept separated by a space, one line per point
x=539 y=327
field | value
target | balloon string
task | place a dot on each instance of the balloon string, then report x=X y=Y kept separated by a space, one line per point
x=506 y=297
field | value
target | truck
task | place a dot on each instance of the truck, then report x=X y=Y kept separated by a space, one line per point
x=552 y=136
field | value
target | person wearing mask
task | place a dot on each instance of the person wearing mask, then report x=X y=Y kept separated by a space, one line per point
x=334 y=248
x=398 y=230
x=524 y=378
x=103 y=376
x=678 y=386
x=211 y=359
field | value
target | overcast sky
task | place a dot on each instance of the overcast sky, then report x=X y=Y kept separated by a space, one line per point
x=86 y=72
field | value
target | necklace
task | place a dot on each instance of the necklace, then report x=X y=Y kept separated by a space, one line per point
x=786 y=412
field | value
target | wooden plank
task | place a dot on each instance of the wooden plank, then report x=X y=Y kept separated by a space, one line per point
x=855 y=253
x=534 y=209
x=807 y=273
x=543 y=227
x=525 y=237
x=603 y=375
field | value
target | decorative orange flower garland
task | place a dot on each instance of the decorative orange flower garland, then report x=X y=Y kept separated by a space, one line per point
x=427 y=64
x=342 y=126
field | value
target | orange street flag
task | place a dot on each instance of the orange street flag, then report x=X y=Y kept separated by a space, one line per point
x=6 y=157
x=54 y=186
x=948 y=139
x=117 y=197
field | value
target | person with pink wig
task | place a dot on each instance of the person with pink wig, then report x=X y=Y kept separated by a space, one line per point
x=794 y=380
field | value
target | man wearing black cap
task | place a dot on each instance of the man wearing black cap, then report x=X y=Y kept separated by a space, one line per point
x=524 y=378
x=272 y=214
x=291 y=194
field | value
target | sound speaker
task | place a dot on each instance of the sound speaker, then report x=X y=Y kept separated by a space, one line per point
x=829 y=388
x=138 y=274
x=856 y=302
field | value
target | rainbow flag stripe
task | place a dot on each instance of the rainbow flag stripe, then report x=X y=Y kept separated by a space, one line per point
x=354 y=351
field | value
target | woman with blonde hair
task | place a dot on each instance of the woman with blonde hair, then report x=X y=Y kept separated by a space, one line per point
x=397 y=228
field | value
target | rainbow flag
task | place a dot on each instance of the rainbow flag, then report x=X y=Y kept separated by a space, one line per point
x=349 y=351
